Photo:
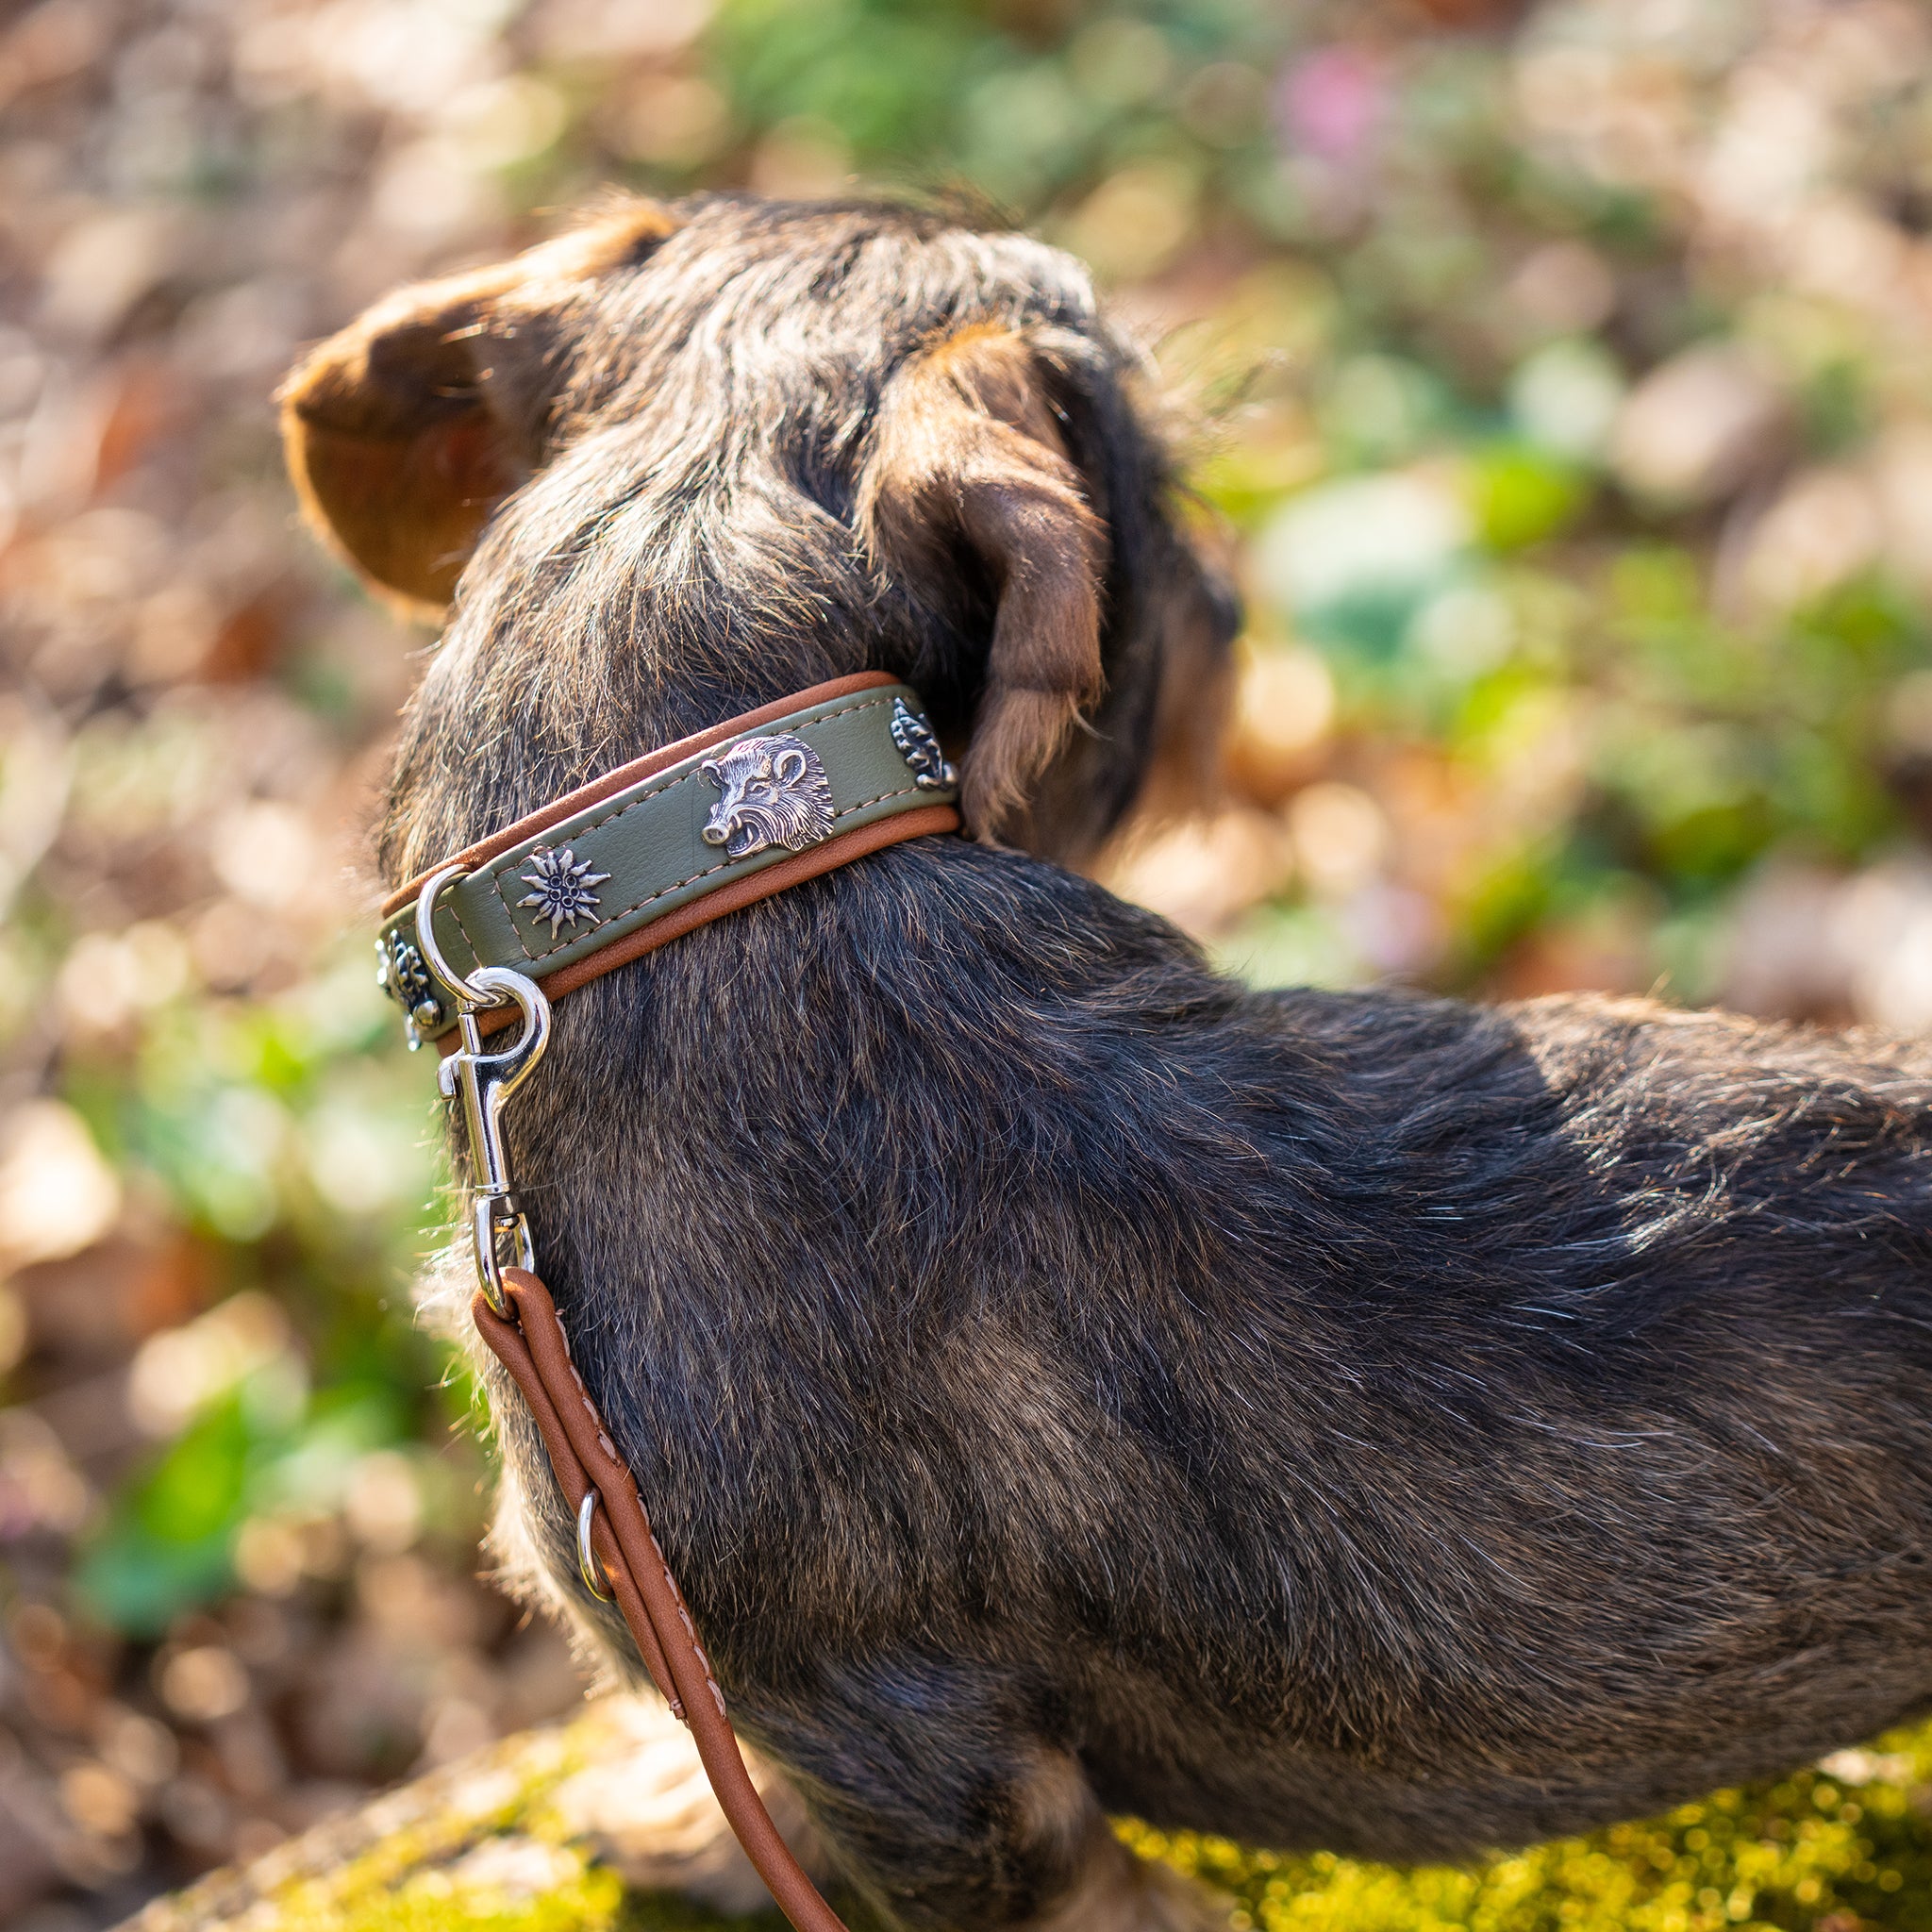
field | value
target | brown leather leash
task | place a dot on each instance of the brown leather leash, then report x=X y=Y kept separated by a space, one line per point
x=614 y=1528
x=513 y=1311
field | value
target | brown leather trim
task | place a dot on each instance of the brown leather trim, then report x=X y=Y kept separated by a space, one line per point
x=535 y=822
x=748 y=891
x=536 y=1353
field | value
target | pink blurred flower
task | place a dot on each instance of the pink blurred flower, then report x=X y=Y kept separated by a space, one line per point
x=1331 y=103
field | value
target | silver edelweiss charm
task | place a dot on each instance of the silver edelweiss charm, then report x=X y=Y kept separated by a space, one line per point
x=564 y=883
x=776 y=793
x=921 y=750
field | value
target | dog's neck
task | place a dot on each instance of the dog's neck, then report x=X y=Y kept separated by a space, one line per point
x=689 y=832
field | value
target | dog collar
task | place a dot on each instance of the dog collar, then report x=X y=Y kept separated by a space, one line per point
x=668 y=843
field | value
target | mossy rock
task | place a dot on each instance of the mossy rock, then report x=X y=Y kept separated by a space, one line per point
x=522 y=1840
x=512 y=1839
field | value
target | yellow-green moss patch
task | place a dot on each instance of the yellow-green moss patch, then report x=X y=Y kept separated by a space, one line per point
x=1848 y=1848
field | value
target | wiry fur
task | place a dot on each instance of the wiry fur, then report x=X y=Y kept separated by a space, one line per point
x=1061 y=1380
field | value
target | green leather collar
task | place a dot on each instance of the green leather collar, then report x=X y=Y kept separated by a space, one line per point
x=671 y=841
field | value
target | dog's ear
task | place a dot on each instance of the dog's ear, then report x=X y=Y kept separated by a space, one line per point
x=406 y=430
x=967 y=455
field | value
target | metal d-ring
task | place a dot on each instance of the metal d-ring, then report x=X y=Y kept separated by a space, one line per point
x=587 y=1557
x=433 y=888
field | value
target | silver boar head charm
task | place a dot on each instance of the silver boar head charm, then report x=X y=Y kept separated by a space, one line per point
x=776 y=793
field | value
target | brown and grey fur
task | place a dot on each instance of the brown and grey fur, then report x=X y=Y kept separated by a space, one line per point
x=1064 y=1381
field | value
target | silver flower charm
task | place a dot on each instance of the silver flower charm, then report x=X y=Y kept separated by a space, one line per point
x=921 y=750
x=564 y=883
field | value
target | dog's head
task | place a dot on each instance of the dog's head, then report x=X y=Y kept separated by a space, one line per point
x=690 y=459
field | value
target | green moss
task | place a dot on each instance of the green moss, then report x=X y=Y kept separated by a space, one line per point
x=592 y=1902
x=1813 y=1848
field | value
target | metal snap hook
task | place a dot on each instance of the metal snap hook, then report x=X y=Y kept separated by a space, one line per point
x=587 y=1557
x=484 y=1081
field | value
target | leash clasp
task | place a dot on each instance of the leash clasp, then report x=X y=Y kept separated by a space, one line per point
x=484 y=1081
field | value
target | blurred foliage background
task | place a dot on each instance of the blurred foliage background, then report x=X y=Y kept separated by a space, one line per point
x=1553 y=375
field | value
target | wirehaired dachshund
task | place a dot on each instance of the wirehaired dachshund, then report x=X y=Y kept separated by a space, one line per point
x=1065 y=1382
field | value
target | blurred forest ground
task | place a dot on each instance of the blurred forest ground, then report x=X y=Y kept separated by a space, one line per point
x=1557 y=375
